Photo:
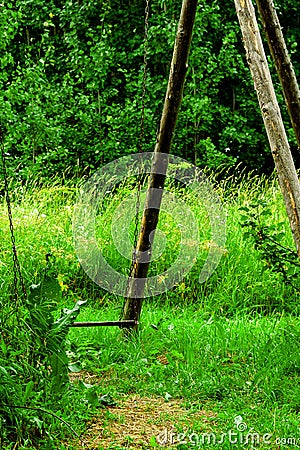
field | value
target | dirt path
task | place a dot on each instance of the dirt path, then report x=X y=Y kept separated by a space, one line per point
x=142 y=423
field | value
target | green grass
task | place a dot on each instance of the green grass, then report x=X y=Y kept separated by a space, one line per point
x=242 y=366
x=230 y=345
x=208 y=357
x=242 y=282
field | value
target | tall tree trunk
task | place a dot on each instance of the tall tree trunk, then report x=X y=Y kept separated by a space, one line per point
x=178 y=69
x=284 y=163
x=282 y=62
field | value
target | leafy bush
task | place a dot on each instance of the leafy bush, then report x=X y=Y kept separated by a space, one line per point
x=71 y=84
x=33 y=365
x=269 y=238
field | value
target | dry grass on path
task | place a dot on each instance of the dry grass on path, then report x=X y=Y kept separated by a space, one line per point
x=139 y=422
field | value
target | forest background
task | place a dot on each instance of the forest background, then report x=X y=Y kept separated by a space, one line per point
x=71 y=85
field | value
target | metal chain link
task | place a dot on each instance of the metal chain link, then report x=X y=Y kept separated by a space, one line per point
x=18 y=278
x=142 y=130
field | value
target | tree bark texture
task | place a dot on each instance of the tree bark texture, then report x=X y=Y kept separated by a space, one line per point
x=178 y=69
x=282 y=61
x=284 y=163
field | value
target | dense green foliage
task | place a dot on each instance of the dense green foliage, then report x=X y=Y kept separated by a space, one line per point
x=71 y=77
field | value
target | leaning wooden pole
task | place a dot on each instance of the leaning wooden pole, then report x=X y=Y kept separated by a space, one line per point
x=178 y=69
x=282 y=61
x=271 y=114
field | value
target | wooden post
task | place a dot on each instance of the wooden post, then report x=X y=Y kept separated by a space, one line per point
x=282 y=62
x=284 y=163
x=178 y=69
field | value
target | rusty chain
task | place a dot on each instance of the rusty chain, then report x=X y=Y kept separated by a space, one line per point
x=142 y=131
x=17 y=274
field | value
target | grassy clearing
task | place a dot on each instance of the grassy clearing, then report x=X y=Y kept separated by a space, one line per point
x=229 y=347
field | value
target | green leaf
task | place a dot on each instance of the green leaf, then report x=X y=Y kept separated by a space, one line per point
x=92 y=397
x=220 y=330
x=28 y=390
x=68 y=316
x=107 y=400
x=244 y=218
x=59 y=372
x=244 y=208
x=61 y=326
x=176 y=354
x=168 y=396
x=153 y=442
x=38 y=422
x=3 y=370
x=84 y=385
x=3 y=347
x=74 y=368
